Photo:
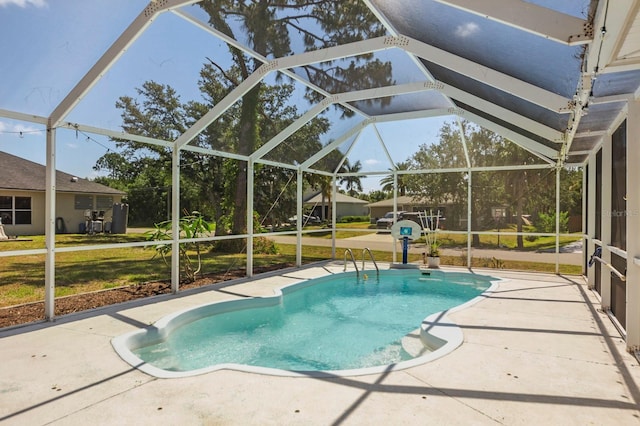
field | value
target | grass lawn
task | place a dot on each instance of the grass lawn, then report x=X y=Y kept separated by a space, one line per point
x=22 y=277
x=345 y=230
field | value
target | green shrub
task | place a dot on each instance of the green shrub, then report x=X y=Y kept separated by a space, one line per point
x=191 y=226
x=351 y=219
x=262 y=245
x=547 y=222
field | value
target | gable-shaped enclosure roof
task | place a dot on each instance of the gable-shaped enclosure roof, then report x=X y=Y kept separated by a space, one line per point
x=551 y=76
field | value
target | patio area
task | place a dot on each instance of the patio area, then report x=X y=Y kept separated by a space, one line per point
x=535 y=351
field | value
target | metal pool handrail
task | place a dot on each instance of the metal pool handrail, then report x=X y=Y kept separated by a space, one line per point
x=353 y=259
x=619 y=274
x=367 y=250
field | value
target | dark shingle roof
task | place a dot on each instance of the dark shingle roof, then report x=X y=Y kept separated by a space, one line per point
x=25 y=175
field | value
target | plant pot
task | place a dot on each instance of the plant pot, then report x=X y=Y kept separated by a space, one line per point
x=433 y=261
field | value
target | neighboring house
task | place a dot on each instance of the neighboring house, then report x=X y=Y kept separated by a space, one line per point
x=22 y=198
x=407 y=203
x=345 y=205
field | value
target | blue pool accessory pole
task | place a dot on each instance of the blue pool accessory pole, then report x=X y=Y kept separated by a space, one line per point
x=405 y=249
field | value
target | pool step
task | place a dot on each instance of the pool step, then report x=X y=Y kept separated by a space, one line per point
x=412 y=344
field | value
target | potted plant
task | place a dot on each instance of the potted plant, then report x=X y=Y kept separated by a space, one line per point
x=433 y=255
x=431 y=236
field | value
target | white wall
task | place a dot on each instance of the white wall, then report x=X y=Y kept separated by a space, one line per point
x=65 y=209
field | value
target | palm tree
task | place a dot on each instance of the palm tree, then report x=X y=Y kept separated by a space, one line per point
x=352 y=183
x=387 y=181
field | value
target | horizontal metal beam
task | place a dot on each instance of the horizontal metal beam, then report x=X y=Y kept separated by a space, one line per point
x=222 y=106
x=336 y=143
x=20 y=116
x=489 y=76
x=381 y=92
x=542 y=151
x=215 y=152
x=109 y=58
x=336 y=52
x=410 y=115
x=252 y=53
x=610 y=24
x=504 y=114
x=505 y=168
x=115 y=134
x=276 y=164
x=531 y=18
x=290 y=130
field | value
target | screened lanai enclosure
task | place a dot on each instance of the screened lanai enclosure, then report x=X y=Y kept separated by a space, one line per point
x=514 y=119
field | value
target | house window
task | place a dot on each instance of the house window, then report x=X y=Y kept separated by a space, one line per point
x=84 y=202
x=104 y=202
x=15 y=210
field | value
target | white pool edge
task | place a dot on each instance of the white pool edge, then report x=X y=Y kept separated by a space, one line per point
x=437 y=332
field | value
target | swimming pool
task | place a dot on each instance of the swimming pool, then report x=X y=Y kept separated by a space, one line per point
x=343 y=323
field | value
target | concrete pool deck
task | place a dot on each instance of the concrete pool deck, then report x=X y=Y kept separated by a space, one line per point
x=535 y=351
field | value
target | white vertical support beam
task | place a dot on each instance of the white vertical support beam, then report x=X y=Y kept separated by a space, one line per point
x=334 y=195
x=558 y=220
x=583 y=225
x=605 y=217
x=299 y=215
x=395 y=211
x=50 y=229
x=633 y=226
x=175 y=220
x=469 y=210
x=467 y=160
x=590 y=212
x=250 y=227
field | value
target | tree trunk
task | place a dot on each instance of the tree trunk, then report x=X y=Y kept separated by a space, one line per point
x=519 y=207
x=246 y=145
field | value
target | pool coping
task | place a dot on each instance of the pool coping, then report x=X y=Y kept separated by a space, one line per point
x=438 y=333
x=538 y=349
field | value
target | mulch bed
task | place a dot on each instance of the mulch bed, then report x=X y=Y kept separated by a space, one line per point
x=32 y=312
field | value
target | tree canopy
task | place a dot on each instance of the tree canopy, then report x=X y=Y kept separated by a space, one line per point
x=217 y=186
x=499 y=197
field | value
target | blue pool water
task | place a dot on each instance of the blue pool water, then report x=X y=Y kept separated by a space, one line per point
x=339 y=322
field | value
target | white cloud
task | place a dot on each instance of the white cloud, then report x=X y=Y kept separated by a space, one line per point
x=26 y=129
x=23 y=3
x=18 y=127
x=72 y=145
x=371 y=162
x=467 y=29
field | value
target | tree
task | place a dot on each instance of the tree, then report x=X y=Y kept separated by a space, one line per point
x=144 y=171
x=353 y=184
x=323 y=183
x=377 y=195
x=449 y=188
x=267 y=25
x=521 y=190
x=387 y=181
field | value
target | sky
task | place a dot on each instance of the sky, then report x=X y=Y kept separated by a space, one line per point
x=48 y=45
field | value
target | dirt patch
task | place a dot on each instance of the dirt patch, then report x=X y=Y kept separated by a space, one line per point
x=32 y=312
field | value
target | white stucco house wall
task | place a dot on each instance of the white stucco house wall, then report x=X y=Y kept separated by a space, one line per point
x=345 y=205
x=22 y=198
